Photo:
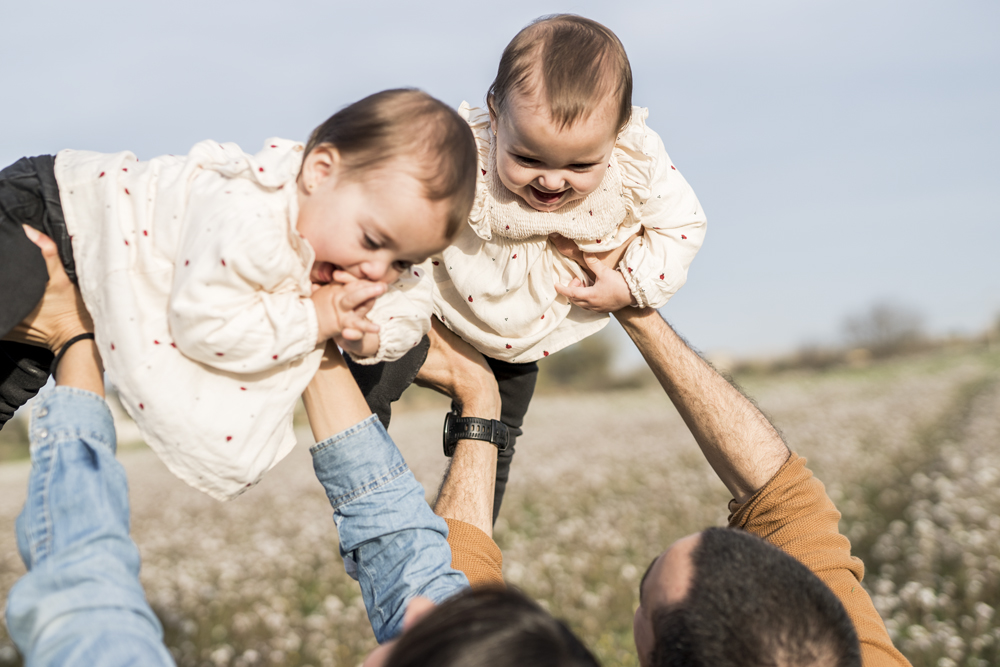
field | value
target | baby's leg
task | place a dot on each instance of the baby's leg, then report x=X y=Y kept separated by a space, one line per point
x=28 y=195
x=382 y=384
x=517 y=384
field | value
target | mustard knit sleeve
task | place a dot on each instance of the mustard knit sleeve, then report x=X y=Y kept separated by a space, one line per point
x=475 y=554
x=793 y=512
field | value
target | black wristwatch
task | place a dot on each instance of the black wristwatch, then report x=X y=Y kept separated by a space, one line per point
x=473 y=428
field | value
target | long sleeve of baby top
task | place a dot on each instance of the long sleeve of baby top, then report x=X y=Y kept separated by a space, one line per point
x=198 y=284
x=494 y=285
x=403 y=315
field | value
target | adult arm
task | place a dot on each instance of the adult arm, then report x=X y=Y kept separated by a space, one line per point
x=776 y=496
x=739 y=442
x=465 y=501
x=81 y=602
x=391 y=540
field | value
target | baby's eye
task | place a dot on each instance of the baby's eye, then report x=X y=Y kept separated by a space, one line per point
x=401 y=265
x=582 y=167
x=370 y=243
x=527 y=161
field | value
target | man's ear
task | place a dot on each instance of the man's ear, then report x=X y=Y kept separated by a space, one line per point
x=322 y=163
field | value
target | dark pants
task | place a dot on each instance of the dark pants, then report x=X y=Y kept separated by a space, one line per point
x=383 y=384
x=29 y=195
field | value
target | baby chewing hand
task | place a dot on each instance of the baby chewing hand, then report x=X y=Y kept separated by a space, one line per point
x=341 y=308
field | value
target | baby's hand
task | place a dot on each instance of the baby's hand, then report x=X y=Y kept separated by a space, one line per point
x=341 y=308
x=608 y=294
x=366 y=346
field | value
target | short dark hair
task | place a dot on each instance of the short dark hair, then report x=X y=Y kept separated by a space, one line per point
x=407 y=122
x=491 y=627
x=752 y=605
x=579 y=62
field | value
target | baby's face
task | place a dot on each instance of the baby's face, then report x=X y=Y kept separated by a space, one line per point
x=548 y=166
x=373 y=228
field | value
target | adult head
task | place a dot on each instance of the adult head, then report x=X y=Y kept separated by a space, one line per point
x=724 y=598
x=492 y=627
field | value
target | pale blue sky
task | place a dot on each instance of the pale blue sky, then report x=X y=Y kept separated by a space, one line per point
x=846 y=152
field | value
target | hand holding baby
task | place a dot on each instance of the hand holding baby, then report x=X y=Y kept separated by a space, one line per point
x=341 y=309
x=610 y=292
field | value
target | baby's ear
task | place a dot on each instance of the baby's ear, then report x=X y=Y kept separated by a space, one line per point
x=322 y=163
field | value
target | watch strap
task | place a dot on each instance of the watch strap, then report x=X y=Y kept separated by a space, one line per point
x=473 y=428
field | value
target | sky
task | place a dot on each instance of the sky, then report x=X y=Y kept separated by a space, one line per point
x=846 y=152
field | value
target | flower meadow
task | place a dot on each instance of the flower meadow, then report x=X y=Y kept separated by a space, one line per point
x=602 y=483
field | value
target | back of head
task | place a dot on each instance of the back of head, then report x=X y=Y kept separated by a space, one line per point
x=751 y=604
x=425 y=135
x=577 y=63
x=490 y=628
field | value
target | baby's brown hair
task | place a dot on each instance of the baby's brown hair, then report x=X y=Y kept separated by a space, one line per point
x=407 y=122
x=579 y=62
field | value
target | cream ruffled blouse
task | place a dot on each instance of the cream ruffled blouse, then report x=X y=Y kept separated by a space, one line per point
x=494 y=285
x=198 y=283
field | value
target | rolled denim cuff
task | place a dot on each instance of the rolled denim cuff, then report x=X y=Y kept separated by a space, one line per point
x=391 y=540
x=68 y=413
x=356 y=461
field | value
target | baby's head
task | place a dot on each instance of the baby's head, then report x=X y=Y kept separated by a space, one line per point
x=562 y=94
x=385 y=183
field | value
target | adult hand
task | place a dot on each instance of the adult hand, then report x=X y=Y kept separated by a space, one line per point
x=609 y=292
x=61 y=314
x=456 y=369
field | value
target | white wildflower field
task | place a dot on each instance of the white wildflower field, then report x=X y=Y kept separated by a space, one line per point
x=602 y=483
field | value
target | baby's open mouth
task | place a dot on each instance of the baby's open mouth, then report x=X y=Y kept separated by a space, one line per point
x=546 y=197
x=322 y=272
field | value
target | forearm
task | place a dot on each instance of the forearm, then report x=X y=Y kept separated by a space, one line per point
x=739 y=442
x=467 y=490
x=333 y=401
x=391 y=541
x=81 y=367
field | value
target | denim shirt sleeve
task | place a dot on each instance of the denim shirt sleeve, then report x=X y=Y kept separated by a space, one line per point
x=391 y=541
x=81 y=602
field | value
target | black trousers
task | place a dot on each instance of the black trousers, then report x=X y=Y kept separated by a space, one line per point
x=29 y=195
x=383 y=384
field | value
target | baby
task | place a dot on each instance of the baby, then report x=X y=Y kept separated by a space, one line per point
x=564 y=160
x=209 y=277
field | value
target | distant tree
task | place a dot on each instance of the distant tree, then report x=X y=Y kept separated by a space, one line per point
x=884 y=329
